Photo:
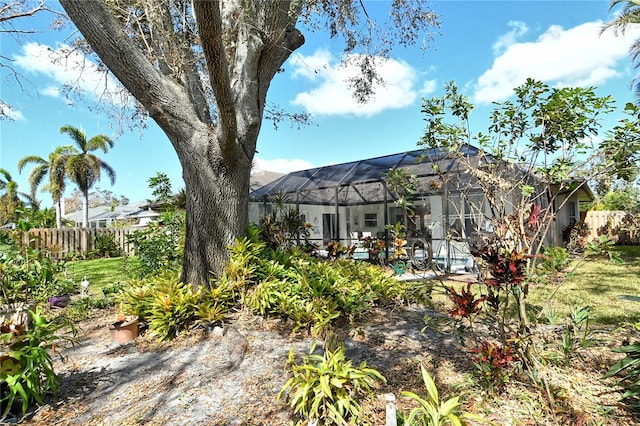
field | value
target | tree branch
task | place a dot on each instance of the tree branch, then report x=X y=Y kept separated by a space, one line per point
x=166 y=101
x=209 y=22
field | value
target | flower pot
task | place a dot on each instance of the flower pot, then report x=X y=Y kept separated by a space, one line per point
x=124 y=331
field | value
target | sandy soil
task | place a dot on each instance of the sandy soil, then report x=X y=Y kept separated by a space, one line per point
x=231 y=376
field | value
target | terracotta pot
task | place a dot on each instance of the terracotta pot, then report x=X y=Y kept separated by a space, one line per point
x=124 y=331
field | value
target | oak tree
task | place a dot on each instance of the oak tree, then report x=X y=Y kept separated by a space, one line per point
x=202 y=69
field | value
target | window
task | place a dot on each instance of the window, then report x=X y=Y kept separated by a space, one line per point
x=572 y=209
x=371 y=220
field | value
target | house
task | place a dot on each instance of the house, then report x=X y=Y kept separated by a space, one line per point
x=138 y=214
x=344 y=201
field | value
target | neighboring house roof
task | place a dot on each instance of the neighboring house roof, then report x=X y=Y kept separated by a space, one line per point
x=261 y=178
x=135 y=211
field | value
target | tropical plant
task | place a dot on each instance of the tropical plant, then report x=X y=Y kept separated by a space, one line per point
x=430 y=411
x=283 y=227
x=602 y=247
x=628 y=368
x=495 y=364
x=27 y=274
x=54 y=168
x=554 y=259
x=12 y=200
x=328 y=388
x=36 y=218
x=26 y=367
x=627 y=18
x=171 y=307
x=576 y=333
x=83 y=167
x=106 y=245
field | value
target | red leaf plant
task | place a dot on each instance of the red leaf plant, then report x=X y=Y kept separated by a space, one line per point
x=465 y=303
x=495 y=363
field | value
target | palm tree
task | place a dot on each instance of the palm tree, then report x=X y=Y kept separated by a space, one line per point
x=84 y=168
x=627 y=18
x=54 y=167
x=10 y=201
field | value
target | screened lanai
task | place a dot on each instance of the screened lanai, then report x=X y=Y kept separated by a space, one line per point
x=359 y=182
x=347 y=201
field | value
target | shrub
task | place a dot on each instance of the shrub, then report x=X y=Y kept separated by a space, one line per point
x=495 y=364
x=26 y=367
x=554 y=259
x=159 y=246
x=575 y=237
x=327 y=388
x=27 y=274
x=106 y=246
x=169 y=306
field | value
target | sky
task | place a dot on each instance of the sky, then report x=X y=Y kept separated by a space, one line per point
x=486 y=47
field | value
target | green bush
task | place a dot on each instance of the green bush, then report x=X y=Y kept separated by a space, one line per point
x=312 y=293
x=106 y=246
x=554 y=259
x=159 y=246
x=26 y=367
x=27 y=274
x=169 y=306
x=80 y=309
x=327 y=388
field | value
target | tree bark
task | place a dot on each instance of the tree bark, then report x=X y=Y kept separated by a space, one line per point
x=58 y=205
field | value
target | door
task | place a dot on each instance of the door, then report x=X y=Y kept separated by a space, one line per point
x=329 y=228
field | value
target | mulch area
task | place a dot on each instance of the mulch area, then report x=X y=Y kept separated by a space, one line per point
x=231 y=376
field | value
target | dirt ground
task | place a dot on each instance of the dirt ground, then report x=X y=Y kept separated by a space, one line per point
x=231 y=376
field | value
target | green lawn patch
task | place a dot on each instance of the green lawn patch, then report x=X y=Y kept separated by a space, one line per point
x=100 y=272
x=598 y=283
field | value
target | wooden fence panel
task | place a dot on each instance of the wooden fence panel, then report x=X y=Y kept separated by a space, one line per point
x=75 y=240
x=601 y=221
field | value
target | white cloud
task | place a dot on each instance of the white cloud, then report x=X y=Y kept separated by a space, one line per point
x=52 y=91
x=333 y=96
x=10 y=113
x=579 y=56
x=281 y=165
x=68 y=67
x=518 y=29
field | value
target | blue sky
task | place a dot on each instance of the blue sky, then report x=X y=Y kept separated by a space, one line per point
x=487 y=47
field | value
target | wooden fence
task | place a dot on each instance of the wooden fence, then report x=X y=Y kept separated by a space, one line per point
x=75 y=240
x=621 y=226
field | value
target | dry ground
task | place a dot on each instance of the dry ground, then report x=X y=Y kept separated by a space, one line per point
x=208 y=377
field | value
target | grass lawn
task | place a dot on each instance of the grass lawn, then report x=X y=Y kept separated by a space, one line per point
x=594 y=282
x=100 y=272
x=597 y=283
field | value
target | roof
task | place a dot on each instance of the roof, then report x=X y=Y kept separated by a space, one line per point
x=107 y=212
x=359 y=182
x=263 y=177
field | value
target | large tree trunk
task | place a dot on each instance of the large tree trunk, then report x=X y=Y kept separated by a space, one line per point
x=244 y=45
x=217 y=208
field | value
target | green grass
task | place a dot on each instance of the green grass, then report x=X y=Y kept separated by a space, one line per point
x=100 y=272
x=597 y=283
